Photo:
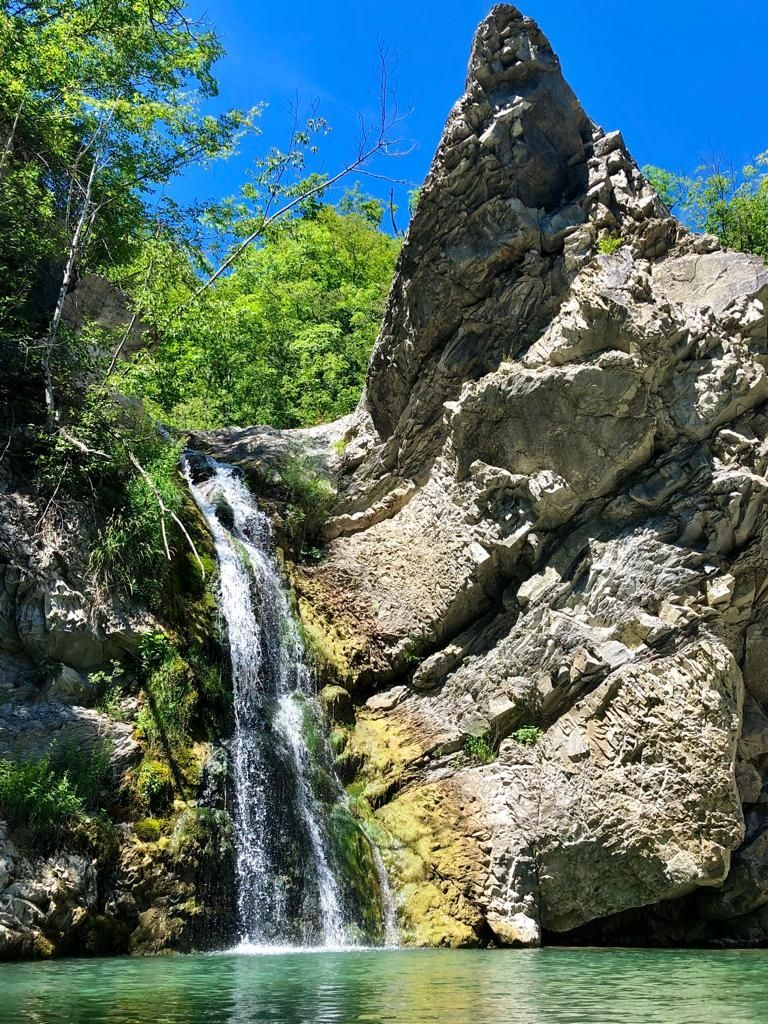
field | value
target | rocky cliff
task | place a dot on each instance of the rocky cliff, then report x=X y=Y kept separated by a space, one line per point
x=148 y=868
x=546 y=579
x=541 y=611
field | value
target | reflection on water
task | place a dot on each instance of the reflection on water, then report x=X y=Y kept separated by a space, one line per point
x=557 y=986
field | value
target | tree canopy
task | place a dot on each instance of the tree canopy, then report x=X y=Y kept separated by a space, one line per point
x=729 y=203
x=285 y=338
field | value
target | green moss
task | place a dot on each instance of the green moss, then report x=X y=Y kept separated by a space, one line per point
x=353 y=856
x=432 y=861
x=338 y=739
x=201 y=834
x=383 y=749
x=337 y=704
x=154 y=785
x=224 y=512
x=148 y=830
x=42 y=948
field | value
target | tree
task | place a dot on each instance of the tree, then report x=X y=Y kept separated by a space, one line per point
x=285 y=338
x=99 y=108
x=728 y=203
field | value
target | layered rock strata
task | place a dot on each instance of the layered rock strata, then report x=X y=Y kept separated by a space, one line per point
x=549 y=551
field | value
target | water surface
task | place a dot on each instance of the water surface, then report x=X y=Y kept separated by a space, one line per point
x=380 y=987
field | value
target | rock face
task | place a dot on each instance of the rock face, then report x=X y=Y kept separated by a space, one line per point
x=117 y=881
x=137 y=896
x=550 y=536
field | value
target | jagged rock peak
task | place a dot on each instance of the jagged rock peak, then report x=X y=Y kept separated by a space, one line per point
x=553 y=517
x=522 y=186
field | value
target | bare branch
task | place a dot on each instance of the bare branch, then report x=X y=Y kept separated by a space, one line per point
x=164 y=511
x=52 y=498
x=83 y=447
x=11 y=135
x=392 y=181
x=371 y=141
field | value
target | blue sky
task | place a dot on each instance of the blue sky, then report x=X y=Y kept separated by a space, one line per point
x=679 y=77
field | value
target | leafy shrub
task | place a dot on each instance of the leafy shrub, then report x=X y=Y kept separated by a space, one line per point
x=608 y=245
x=310 y=498
x=36 y=800
x=108 y=691
x=528 y=735
x=478 y=749
x=88 y=773
x=727 y=201
x=170 y=697
x=129 y=550
x=42 y=801
x=411 y=652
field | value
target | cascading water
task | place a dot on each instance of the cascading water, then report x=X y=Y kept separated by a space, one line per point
x=289 y=889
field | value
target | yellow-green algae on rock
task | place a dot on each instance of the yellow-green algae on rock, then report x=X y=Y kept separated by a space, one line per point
x=433 y=860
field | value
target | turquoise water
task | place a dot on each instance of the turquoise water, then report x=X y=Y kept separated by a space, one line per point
x=419 y=987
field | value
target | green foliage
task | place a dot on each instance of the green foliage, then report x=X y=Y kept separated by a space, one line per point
x=36 y=799
x=609 y=245
x=478 y=749
x=87 y=771
x=43 y=800
x=183 y=699
x=108 y=690
x=154 y=785
x=412 y=652
x=528 y=735
x=730 y=203
x=309 y=499
x=129 y=552
x=100 y=102
x=285 y=338
x=170 y=697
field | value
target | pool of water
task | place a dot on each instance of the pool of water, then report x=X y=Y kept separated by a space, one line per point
x=558 y=986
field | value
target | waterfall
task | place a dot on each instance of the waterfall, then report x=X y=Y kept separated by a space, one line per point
x=289 y=889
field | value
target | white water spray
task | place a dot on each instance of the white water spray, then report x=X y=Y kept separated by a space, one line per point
x=275 y=806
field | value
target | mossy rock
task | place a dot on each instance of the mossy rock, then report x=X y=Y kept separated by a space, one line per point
x=354 y=857
x=42 y=948
x=224 y=512
x=429 y=841
x=158 y=931
x=148 y=830
x=337 y=705
x=384 y=748
x=338 y=739
x=331 y=648
x=154 y=785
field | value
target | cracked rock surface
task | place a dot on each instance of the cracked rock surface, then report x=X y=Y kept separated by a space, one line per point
x=552 y=514
x=551 y=518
